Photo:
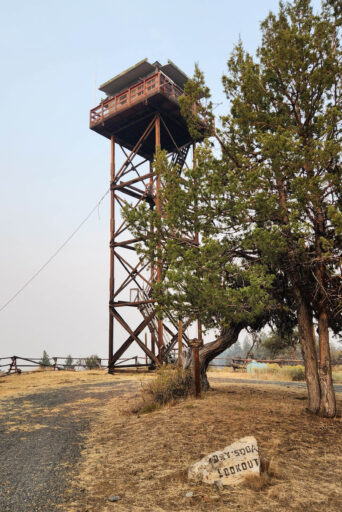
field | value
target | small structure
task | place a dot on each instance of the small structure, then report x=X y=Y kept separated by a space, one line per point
x=134 y=97
x=140 y=114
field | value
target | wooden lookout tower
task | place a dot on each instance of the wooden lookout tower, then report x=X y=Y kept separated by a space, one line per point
x=140 y=114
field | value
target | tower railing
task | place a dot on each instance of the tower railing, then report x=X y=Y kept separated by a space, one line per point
x=158 y=82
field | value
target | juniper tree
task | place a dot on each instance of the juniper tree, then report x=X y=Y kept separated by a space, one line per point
x=69 y=365
x=268 y=209
x=275 y=343
x=212 y=281
x=278 y=183
x=45 y=360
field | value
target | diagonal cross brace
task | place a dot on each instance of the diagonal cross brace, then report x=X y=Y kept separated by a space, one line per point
x=133 y=336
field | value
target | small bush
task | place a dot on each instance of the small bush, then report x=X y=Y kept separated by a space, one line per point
x=170 y=384
x=273 y=368
x=288 y=372
x=92 y=362
x=294 y=373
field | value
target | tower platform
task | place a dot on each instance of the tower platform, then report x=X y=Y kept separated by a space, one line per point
x=131 y=104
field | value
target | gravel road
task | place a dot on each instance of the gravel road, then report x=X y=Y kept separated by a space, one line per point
x=41 y=436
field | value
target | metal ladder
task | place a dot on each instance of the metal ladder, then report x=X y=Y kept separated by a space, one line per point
x=179 y=157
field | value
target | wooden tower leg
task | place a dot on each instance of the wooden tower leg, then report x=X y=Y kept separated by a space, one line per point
x=159 y=264
x=111 y=274
x=180 y=343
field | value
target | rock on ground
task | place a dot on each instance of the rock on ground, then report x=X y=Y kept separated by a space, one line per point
x=228 y=466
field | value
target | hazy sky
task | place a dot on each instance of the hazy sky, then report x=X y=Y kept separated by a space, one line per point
x=54 y=169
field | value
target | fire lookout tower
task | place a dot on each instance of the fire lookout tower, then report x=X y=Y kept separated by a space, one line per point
x=140 y=114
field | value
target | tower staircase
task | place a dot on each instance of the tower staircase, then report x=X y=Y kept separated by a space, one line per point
x=179 y=157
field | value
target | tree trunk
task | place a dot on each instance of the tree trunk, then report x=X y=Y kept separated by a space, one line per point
x=304 y=316
x=211 y=350
x=328 y=401
x=305 y=328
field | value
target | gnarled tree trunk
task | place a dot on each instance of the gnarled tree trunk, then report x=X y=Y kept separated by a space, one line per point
x=211 y=350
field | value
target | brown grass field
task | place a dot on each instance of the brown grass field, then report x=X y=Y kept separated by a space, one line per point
x=36 y=381
x=145 y=458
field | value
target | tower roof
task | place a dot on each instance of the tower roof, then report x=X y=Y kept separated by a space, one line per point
x=141 y=70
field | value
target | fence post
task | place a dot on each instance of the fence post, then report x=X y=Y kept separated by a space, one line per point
x=195 y=344
x=11 y=365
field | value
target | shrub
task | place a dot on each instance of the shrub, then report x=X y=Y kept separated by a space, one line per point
x=171 y=383
x=45 y=360
x=273 y=368
x=294 y=373
x=92 y=362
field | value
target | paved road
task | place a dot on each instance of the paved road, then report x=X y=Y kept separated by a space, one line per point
x=337 y=387
x=41 y=436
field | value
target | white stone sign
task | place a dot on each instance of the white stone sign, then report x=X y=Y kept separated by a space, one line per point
x=228 y=466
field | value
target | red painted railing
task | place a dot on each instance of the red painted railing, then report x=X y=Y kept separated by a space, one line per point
x=138 y=92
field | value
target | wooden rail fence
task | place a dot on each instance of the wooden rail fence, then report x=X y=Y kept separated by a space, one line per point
x=16 y=364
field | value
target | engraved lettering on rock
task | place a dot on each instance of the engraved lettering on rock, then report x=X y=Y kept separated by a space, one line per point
x=230 y=465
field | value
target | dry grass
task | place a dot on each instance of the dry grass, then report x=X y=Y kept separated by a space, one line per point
x=256 y=375
x=34 y=382
x=169 y=385
x=284 y=374
x=256 y=482
x=145 y=458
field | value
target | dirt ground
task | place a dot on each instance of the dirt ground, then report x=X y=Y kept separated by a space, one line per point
x=145 y=458
x=32 y=382
x=42 y=430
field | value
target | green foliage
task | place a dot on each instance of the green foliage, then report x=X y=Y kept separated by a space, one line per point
x=277 y=344
x=68 y=365
x=283 y=137
x=209 y=281
x=92 y=362
x=268 y=209
x=196 y=106
x=45 y=360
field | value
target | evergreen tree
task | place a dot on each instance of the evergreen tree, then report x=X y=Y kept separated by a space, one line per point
x=68 y=365
x=277 y=344
x=268 y=209
x=280 y=172
x=45 y=360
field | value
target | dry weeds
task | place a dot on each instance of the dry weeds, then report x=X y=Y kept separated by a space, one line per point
x=227 y=372
x=145 y=458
